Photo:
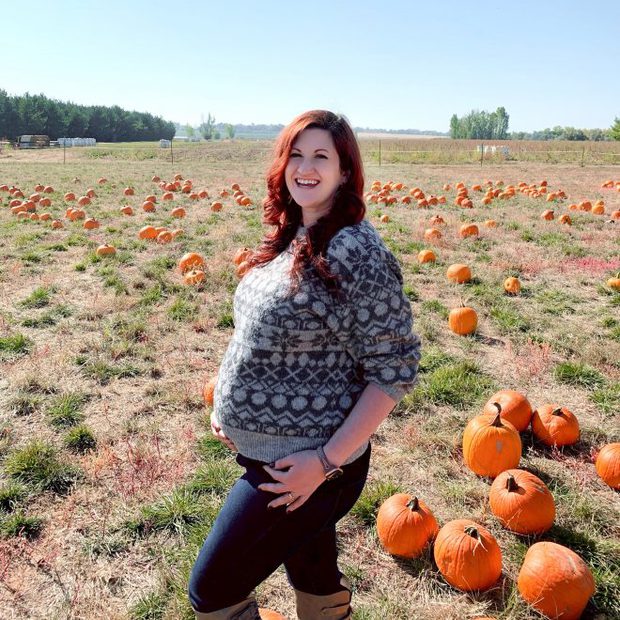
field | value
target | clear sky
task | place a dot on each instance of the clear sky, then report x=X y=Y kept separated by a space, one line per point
x=385 y=63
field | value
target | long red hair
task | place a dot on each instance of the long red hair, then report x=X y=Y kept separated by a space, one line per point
x=282 y=212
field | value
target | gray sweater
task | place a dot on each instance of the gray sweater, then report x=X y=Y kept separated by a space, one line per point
x=296 y=365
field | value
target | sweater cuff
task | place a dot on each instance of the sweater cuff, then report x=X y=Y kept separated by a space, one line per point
x=394 y=392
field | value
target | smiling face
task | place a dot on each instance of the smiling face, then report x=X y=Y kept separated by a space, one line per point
x=313 y=173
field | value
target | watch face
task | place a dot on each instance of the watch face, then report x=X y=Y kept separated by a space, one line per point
x=334 y=473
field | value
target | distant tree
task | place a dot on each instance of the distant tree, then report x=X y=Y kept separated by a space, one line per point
x=481 y=125
x=207 y=128
x=230 y=131
x=190 y=131
x=615 y=129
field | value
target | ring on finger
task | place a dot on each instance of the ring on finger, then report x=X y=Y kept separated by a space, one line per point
x=291 y=497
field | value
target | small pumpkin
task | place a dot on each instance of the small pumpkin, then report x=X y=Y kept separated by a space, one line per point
x=468 y=230
x=565 y=219
x=129 y=191
x=614 y=282
x=522 y=502
x=385 y=218
x=491 y=445
x=490 y=223
x=555 y=425
x=105 y=250
x=514 y=407
x=512 y=285
x=430 y=234
x=547 y=215
x=467 y=555
x=191 y=260
x=607 y=465
x=405 y=525
x=209 y=389
x=91 y=223
x=241 y=254
x=126 y=210
x=148 y=206
x=555 y=581
x=463 y=320
x=242 y=268
x=426 y=256
x=458 y=273
x=164 y=236
x=69 y=197
x=147 y=232
x=178 y=212
x=216 y=206
x=195 y=276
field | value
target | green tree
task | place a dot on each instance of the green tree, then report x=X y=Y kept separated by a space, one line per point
x=230 y=131
x=615 y=129
x=207 y=128
x=190 y=131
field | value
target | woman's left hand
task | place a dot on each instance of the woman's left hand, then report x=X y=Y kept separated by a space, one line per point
x=296 y=476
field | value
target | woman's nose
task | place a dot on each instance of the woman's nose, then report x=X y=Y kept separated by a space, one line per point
x=304 y=165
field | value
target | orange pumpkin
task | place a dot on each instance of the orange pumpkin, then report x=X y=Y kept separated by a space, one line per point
x=514 y=407
x=269 y=614
x=467 y=555
x=490 y=224
x=195 y=276
x=241 y=254
x=430 y=234
x=522 y=502
x=458 y=273
x=147 y=232
x=148 y=206
x=565 y=219
x=405 y=525
x=216 y=206
x=463 y=320
x=126 y=210
x=608 y=465
x=91 y=223
x=209 y=389
x=547 y=215
x=129 y=191
x=491 y=445
x=468 y=230
x=555 y=581
x=555 y=425
x=614 y=282
x=165 y=236
x=426 y=256
x=178 y=212
x=191 y=260
x=512 y=285
x=105 y=250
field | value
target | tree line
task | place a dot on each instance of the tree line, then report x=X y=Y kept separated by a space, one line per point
x=37 y=114
x=483 y=125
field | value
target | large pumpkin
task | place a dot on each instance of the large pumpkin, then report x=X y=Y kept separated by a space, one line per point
x=405 y=525
x=514 y=407
x=491 y=445
x=522 y=502
x=555 y=581
x=458 y=273
x=191 y=260
x=467 y=555
x=608 y=465
x=463 y=320
x=555 y=425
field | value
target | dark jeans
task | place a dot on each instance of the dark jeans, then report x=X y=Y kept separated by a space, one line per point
x=248 y=541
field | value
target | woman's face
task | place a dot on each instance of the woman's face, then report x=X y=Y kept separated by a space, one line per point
x=313 y=173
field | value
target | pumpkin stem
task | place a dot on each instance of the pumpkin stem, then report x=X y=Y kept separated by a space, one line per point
x=472 y=531
x=557 y=411
x=413 y=505
x=498 y=418
x=511 y=484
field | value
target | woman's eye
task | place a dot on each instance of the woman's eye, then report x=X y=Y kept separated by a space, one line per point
x=322 y=156
x=295 y=155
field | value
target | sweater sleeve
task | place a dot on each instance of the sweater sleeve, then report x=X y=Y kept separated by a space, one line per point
x=374 y=316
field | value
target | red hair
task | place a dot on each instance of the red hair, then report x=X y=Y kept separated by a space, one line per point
x=281 y=211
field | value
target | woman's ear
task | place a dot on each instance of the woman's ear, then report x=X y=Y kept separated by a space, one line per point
x=344 y=177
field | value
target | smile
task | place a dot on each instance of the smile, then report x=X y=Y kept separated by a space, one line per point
x=306 y=182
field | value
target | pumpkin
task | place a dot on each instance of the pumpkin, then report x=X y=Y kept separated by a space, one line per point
x=102 y=180
x=90 y=192
x=45 y=202
x=195 y=276
x=241 y=254
x=490 y=224
x=555 y=581
x=56 y=224
x=437 y=220
x=129 y=191
x=155 y=179
x=209 y=389
x=491 y=445
x=432 y=233
x=191 y=260
x=91 y=223
x=168 y=196
x=468 y=230
x=463 y=320
x=522 y=502
x=547 y=215
x=126 y=210
x=148 y=206
x=565 y=219
x=405 y=525
x=615 y=215
x=105 y=250
x=269 y=614
x=242 y=268
x=614 y=282
x=178 y=176
x=555 y=425
x=426 y=256
x=69 y=197
x=599 y=208
x=467 y=555
x=147 y=232
x=246 y=201
x=83 y=201
x=512 y=285
x=514 y=407
x=45 y=216
x=385 y=218
x=607 y=465
x=34 y=217
x=458 y=273
x=178 y=212
x=216 y=206
x=164 y=236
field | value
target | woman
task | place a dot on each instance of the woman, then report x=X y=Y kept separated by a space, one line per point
x=322 y=352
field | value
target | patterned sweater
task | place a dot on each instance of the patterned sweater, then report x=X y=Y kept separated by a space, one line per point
x=297 y=363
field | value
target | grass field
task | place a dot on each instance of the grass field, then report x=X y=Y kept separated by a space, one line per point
x=109 y=479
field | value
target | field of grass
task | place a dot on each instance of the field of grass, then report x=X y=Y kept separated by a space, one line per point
x=109 y=479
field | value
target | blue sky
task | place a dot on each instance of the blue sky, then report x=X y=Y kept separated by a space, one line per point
x=390 y=64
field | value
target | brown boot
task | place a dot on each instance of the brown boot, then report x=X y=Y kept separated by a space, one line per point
x=335 y=606
x=245 y=610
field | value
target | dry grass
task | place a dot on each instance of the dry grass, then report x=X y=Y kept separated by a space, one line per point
x=127 y=334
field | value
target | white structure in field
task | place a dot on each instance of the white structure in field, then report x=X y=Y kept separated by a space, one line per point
x=77 y=142
x=488 y=148
x=164 y=144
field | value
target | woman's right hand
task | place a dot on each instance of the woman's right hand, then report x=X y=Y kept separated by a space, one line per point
x=219 y=434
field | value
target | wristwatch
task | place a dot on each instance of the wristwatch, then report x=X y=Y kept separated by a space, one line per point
x=331 y=471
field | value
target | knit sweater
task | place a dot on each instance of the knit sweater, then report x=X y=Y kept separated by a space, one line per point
x=296 y=364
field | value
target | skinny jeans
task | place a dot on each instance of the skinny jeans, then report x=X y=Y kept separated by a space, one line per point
x=248 y=541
